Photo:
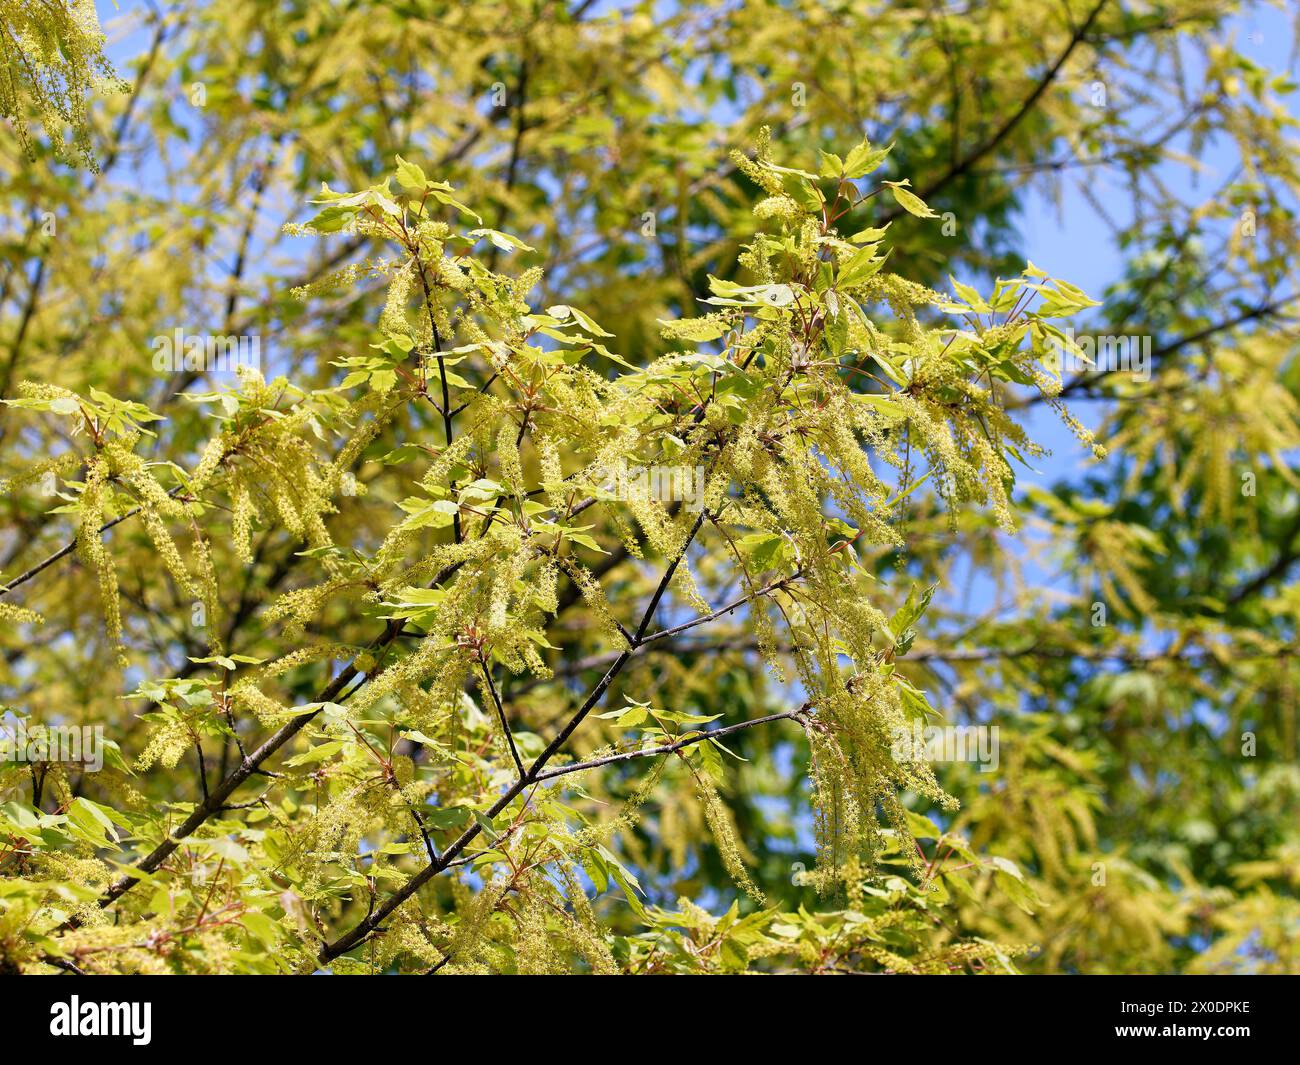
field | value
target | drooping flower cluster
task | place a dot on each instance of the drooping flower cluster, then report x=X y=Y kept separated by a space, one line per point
x=803 y=404
x=53 y=59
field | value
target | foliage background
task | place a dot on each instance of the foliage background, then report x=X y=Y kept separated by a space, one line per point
x=1122 y=745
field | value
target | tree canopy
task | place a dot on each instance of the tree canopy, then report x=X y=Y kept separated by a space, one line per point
x=540 y=487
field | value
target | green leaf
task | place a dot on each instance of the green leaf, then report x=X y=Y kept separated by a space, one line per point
x=971 y=298
x=862 y=265
x=563 y=311
x=264 y=929
x=832 y=166
x=441 y=192
x=912 y=609
x=869 y=236
x=222 y=846
x=909 y=201
x=763 y=550
x=504 y=241
x=447 y=817
x=410 y=176
x=804 y=192
x=863 y=159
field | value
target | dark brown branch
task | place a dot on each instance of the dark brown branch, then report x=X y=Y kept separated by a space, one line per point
x=501 y=716
x=67 y=549
x=1286 y=558
x=1005 y=130
x=669 y=748
x=374 y=920
x=1263 y=310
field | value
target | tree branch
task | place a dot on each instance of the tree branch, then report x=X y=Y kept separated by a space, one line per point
x=669 y=748
x=373 y=920
x=501 y=715
x=1003 y=131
